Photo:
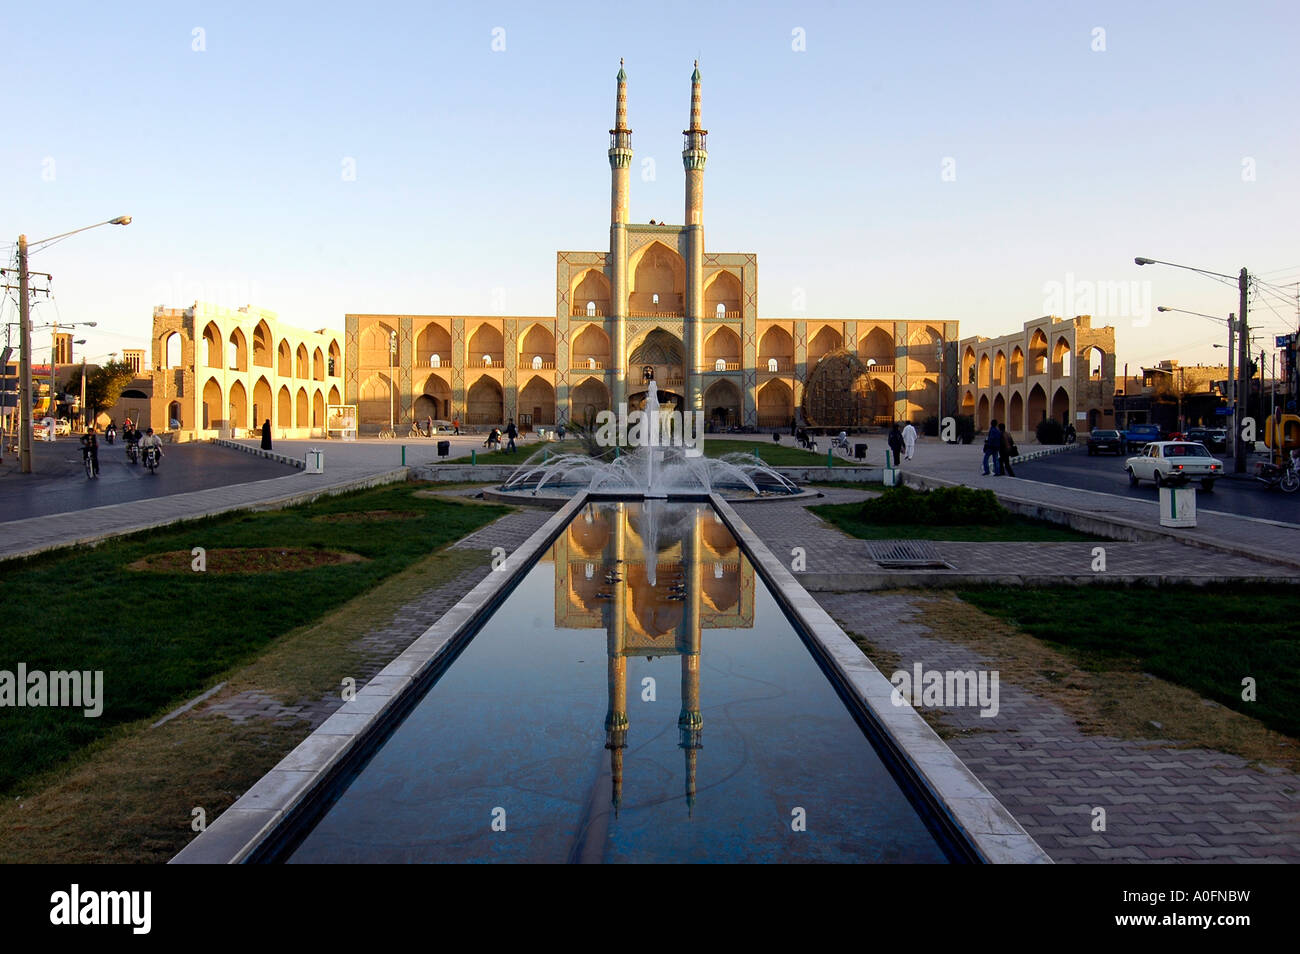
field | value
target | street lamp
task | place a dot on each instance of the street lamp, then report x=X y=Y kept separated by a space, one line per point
x=1243 y=283
x=25 y=339
x=1232 y=329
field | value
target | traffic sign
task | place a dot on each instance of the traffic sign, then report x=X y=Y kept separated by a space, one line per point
x=1223 y=411
x=1281 y=341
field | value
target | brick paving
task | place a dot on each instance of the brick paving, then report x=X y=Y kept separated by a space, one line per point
x=1162 y=803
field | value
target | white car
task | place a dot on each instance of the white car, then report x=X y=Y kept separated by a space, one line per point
x=1174 y=462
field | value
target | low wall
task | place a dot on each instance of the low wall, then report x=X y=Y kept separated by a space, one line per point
x=497 y=473
x=298 y=462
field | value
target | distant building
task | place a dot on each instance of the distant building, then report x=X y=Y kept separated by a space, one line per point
x=1052 y=366
x=1174 y=395
x=217 y=370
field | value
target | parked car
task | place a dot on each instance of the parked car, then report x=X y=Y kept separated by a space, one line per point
x=1105 y=442
x=1215 y=438
x=1174 y=463
x=1137 y=436
x=62 y=427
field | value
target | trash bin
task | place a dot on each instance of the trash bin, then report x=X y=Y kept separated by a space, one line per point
x=315 y=461
x=444 y=448
x=860 y=451
x=1178 y=506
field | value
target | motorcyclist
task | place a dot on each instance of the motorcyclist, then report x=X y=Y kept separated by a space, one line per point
x=90 y=446
x=131 y=438
x=151 y=440
x=110 y=432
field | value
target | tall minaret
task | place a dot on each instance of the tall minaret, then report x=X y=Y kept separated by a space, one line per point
x=620 y=163
x=694 y=154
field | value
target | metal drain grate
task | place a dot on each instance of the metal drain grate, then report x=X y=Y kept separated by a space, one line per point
x=912 y=554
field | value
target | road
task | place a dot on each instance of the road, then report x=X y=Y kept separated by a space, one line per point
x=1106 y=473
x=59 y=484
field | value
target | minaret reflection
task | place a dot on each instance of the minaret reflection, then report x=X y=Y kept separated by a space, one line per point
x=654 y=576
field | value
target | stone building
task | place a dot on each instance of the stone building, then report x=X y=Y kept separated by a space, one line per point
x=1053 y=366
x=658 y=303
x=217 y=370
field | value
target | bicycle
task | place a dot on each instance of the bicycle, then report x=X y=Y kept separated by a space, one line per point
x=387 y=433
x=417 y=431
x=89 y=462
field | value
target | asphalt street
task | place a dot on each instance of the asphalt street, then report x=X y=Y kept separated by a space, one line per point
x=1106 y=473
x=59 y=483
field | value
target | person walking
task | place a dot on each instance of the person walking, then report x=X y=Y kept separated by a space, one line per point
x=428 y=427
x=909 y=441
x=511 y=433
x=1008 y=451
x=993 y=449
x=455 y=425
x=896 y=443
x=266 y=434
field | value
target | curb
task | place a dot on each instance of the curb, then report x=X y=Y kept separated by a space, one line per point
x=259 y=452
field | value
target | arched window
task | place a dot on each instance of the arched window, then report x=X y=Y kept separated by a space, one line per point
x=591 y=309
x=487 y=360
x=435 y=360
x=722 y=310
x=720 y=365
x=591 y=363
x=655 y=298
x=537 y=362
x=771 y=364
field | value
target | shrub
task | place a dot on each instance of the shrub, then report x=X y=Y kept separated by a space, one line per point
x=945 y=507
x=1050 y=431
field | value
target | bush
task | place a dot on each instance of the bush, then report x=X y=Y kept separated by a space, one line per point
x=1050 y=431
x=945 y=507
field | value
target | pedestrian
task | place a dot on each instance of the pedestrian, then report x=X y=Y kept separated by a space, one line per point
x=792 y=427
x=266 y=434
x=993 y=450
x=896 y=443
x=1008 y=451
x=428 y=427
x=560 y=431
x=511 y=433
x=909 y=441
x=455 y=425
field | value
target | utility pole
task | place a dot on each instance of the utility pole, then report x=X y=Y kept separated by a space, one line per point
x=1232 y=389
x=1243 y=370
x=24 y=363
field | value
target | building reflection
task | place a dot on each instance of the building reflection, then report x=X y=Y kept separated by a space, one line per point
x=654 y=577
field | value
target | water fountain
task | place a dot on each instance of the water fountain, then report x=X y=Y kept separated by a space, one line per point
x=657 y=468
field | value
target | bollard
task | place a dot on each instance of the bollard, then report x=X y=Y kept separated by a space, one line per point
x=616 y=452
x=830 y=458
x=473 y=457
x=546 y=455
x=403 y=455
x=758 y=456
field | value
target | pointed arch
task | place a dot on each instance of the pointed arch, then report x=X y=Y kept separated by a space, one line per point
x=318 y=365
x=999 y=370
x=300 y=366
x=775 y=404
x=537 y=399
x=876 y=348
x=1036 y=408
x=284 y=407
x=485 y=347
x=1016 y=412
x=1017 y=366
x=923 y=350
x=300 y=414
x=776 y=345
x=261 y=400
x=722 y=345
x=214 y=408
x=238 y=351
x=376 y=397
x=587 y=399
x=1037 y=356
x=590 y=349
x=589 y=293
x=284 y=359
x=722 y=402
x=238 y=405
x=827 y=339
x=968 y=367
x=722 y=290
x=985 y=371
x=657 y=282
x=262 y=344
x=485 y=402
x=538 y=341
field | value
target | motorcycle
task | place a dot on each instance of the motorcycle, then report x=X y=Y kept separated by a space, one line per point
x=110 y=434
x=1282 y=475
x=151 y=458
x=133 y=452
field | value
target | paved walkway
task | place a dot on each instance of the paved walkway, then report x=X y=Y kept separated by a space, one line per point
x=1162 y=803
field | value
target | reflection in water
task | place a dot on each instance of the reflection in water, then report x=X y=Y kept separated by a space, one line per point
x=650 y=594
x=591 y=756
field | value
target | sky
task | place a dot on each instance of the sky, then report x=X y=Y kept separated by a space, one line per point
x=986 y=163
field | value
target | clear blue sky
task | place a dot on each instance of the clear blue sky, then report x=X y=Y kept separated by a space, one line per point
x=473 y=166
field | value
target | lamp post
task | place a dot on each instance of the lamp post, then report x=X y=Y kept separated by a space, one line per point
x=25 y=339
x=1243 y=284
x=392 y=361
x=1232 y=382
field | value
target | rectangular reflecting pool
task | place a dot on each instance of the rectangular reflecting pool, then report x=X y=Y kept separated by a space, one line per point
x=638 y=696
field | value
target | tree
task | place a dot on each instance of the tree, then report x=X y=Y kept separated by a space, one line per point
x=104 y=384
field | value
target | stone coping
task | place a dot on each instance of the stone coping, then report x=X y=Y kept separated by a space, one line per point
x=952 y=787
x=243 y=828
x=298 y=462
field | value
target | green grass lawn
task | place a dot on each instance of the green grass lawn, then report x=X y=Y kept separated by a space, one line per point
x=1016 y=529
x=771 y=453
x=1207 y=639
x=160 y=637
